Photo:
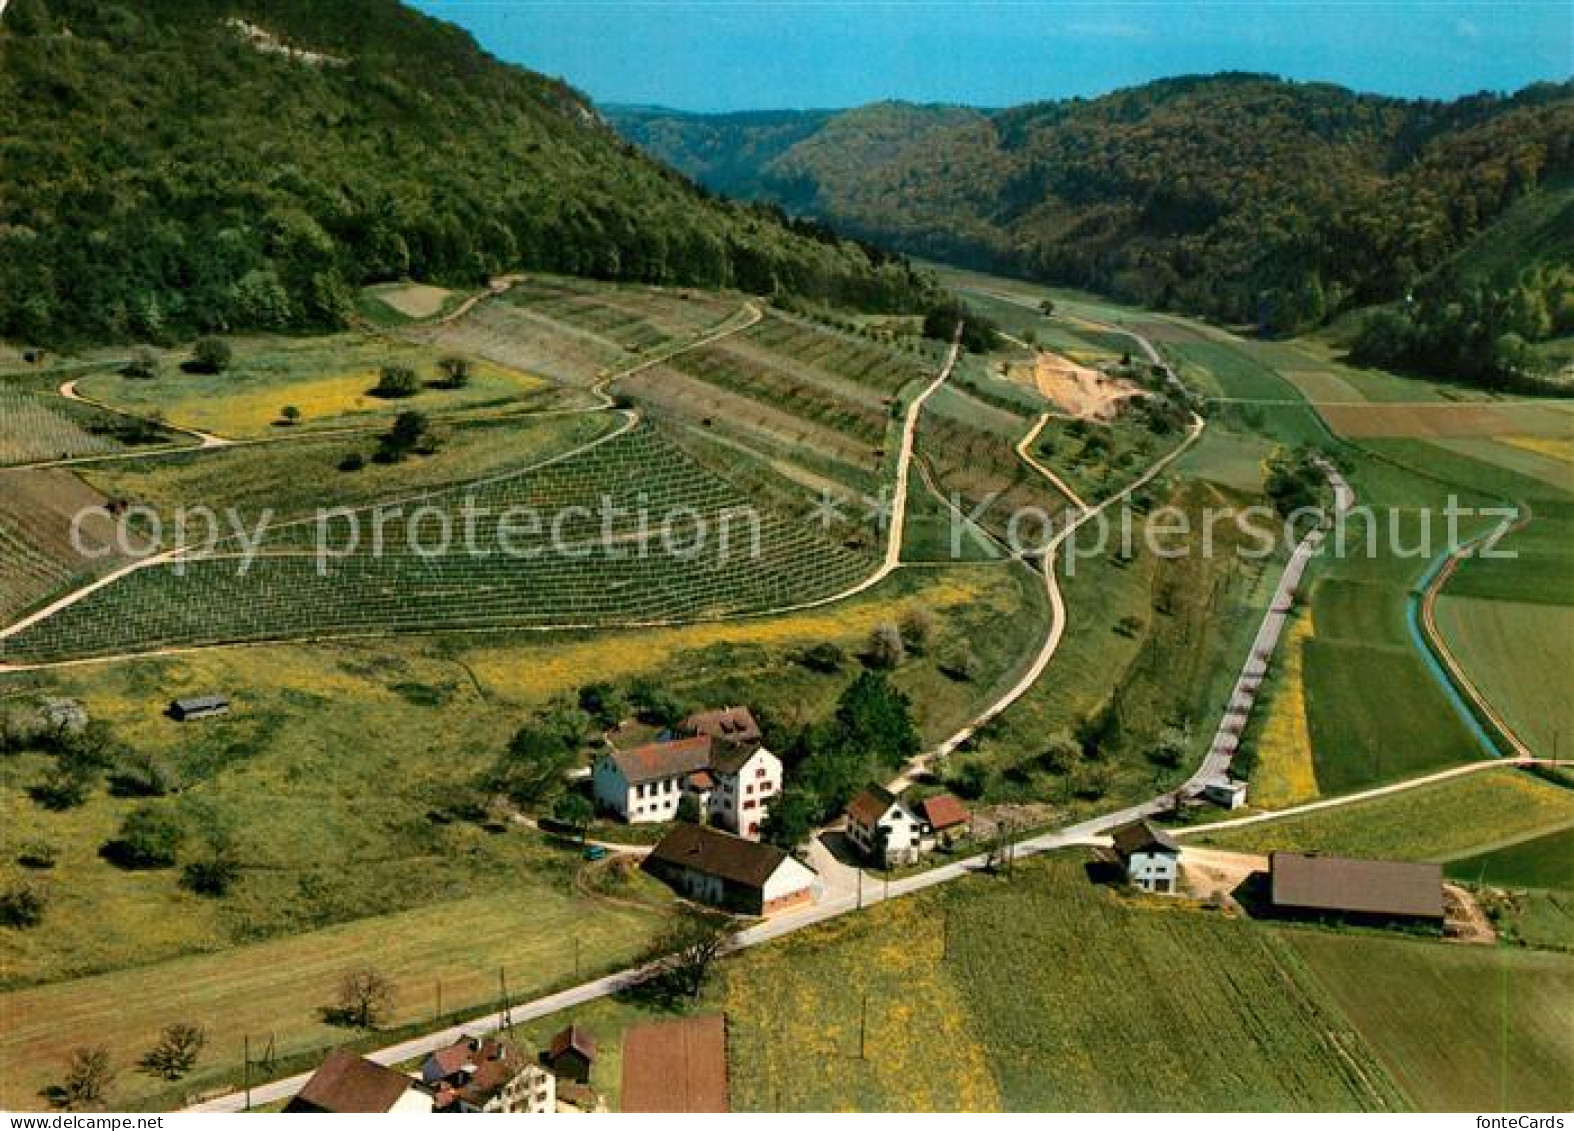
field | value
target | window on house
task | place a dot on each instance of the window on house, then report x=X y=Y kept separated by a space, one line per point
x=749 y=804
x=761 y=772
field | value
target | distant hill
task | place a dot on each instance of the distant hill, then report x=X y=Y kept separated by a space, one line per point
x=1241 y=197
x=176 y=166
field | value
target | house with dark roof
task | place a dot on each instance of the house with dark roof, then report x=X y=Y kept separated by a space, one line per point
x=487 y=1074
x=883 y=828
x=1363 y=890
x=730 y=872
x=572 y=1054
x=1150 y=856
x=725 y=724
x=728 y=783
x=676 y=1066
x=346 y=1084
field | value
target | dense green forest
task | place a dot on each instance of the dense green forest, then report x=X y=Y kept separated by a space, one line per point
x=170 y=167
x=1240 y=197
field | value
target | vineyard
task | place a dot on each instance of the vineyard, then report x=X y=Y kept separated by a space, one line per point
x=36 y=426
x=601 y=555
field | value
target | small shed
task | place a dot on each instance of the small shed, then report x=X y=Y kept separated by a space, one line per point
x=571 y=1054
x=198 y=707
x=1225 y=793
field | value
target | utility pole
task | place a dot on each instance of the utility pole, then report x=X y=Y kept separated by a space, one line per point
x=860 y=889
x=576 y=958
x=863 y=1027
x=502 y=988
x=439 y=1012
x=246 y=1054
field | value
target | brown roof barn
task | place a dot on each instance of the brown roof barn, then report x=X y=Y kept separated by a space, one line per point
x=346 y=1083
x=676 y=1066
x=728 y=871
x=1140 y=836
x=1385 y=888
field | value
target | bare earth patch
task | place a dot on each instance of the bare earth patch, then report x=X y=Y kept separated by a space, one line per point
x=1079 y=390
x=415 y=300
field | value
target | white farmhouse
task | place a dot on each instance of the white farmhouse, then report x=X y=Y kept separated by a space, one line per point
x=886 y=830
x=645 y=784
x=1151 y=857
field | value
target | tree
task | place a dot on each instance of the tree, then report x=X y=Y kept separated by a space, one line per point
x=574 y=810
x=88 y=1078
x=411 y=432
x=791 y=817
x=143 y=366
x=886 y=648
x=395 y=382
x=21 y=906
x=825 y=658
x=532 y=767
x=455 y=371
x=210 y=355
x=602 y=703
x=1047 y=308
x=960 y=662
x=365 y=997
x=149 y=838
x=39 y=855
x=176 y=1052
x=683 y=954
x=1169 y=748
x=217 y=869
x=290 y=414
x=876 y=717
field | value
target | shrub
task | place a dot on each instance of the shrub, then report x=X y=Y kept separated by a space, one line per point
x=38 y=854
x=149 y=838
x=21 y=906
x=960 y=663
x=142 y=775
x=354 y=461
x=290 y=414
x=917 y=628
x=143 y=365
x=395 y=382
x=88 y=1078
x=827 y=658
x=456 y=372
x=886 y=649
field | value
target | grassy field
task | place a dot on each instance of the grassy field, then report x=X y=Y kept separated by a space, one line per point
x=286 y=770
x=1441 y=821
x=1519 y=655
x=1461 y=1028
x=329 y=379
x=1042 y=993
x=1545 y=862
x=273 y=991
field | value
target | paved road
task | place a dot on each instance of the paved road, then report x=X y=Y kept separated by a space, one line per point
x=1249 y=682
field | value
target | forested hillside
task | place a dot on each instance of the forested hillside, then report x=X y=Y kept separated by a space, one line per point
x=1240 y=197
x=176 y=166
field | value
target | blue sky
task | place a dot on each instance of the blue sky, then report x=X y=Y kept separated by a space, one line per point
x=756 y=54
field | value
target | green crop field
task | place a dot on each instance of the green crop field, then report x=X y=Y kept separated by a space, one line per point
x=1519 y=654
x=1545 y=862
x=602 y=551
x=1042 y=993
x=1461 y=1028
x=1441 y=821
x=36 y=424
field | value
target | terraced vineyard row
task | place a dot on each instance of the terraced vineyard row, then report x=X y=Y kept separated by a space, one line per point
x=26 y=573
x=595 y=573
x=41 y=426
x=639 y=320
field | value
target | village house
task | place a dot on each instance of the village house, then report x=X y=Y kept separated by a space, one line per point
x=572 y=1054
x=726 y=724
x=485 y=1075
x=1150 y=856
x=346 y=1084
x=884 y=829
x=198 y=707
x=676 y=1066
x=1376 y=891
x=727 y=784
x=730 y=872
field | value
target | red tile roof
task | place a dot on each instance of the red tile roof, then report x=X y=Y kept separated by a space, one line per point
x=676 y=1066
x=728 y=724
x=944 y=812
x=580 y=1040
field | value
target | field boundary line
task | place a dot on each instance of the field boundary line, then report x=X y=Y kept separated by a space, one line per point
x=1371 y=794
